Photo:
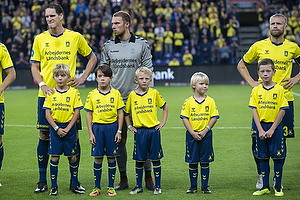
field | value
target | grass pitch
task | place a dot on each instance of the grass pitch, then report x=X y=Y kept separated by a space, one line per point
x=233 y=173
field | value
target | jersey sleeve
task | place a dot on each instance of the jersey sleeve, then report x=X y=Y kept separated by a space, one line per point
x=121 y=104
x=78 y=103
x=89 y=104
x=127 y=109
x=185 y=110
x=251 y=54
x=84 y=49
x=160 y=101
x=104 y=55
x=48 y=102
x=35 y=52
x=252 y=102
x=6 y=61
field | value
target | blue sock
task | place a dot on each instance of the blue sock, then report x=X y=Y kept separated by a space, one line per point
x=139 y=173
x=97 y=174
x=157 y=172
x=74 y=173
x=265 y=171
x=1 y=154
x=43 y=158
x=204 y=174
x=193 y=171
x=53 y=173
x=278 y=165
x=111 y=173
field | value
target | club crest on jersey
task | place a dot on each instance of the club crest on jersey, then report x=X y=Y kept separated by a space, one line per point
x=112 y=100
x=206 y=108
x=149 y=101
x=67 y=44
x=274 y=96
x=267 y=51
x=67 y=99
x=286 y=53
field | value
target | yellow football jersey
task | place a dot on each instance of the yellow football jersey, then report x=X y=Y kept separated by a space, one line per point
x=6 y=63
x=48 y=50
x=268 y=102
x=282 y=56
x=144 y=108
x=199 y=113
x=104 y=106
x=63 y=104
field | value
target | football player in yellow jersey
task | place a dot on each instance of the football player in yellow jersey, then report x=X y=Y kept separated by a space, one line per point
x=62 y=111
x=268 y=104
x=142 y=103
x=8 y=66
x=104 y=117
x=199 y=114
x=56 y=45
x=282 y=52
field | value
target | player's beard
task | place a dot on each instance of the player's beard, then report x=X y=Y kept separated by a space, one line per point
x=277 y=34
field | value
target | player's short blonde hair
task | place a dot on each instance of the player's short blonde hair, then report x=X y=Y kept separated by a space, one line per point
x=198 y=76
x=61 y=68
x=279 y=15
x=144 y=70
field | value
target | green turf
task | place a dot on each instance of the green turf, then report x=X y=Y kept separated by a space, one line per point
x=233 y=173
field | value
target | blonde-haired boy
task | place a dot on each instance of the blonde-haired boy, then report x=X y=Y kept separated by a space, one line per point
x=199 y=114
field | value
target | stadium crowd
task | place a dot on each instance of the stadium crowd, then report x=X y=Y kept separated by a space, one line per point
x=192 y=31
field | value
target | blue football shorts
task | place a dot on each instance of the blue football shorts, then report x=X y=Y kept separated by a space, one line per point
x=2 y=116
x=274 y=147
x=42 y=123
x=147 y=141
x=66 y=145
x=105 y=140
x=199 y=151
x=288 y=121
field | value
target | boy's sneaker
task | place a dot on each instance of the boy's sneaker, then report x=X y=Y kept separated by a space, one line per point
x=149 y=183
x=95 y=192
x=42 y=187
x=279 y=194
x=205 y=190
x=122 y=185
x=111 y=192
x=136 y=190
x=261 y=192
x=274 y=183
x=259 y=183
x=192 y=190
x=79 y=185
x=0 y=183
x=77 y=190
x=157 y=190
x=53 y=191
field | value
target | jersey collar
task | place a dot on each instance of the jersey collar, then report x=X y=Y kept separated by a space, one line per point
x=131 y=39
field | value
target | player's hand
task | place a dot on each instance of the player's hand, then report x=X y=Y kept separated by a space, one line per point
x=262 y=135
x=61 y=132
x=47 y=90
x=255 y=83
x=133 y=129
x=75 y=82
x=92 y=139
x=269 y=133
x=290 y=82
x=196 y=136
x=202 y=134
x=118 y=137
x=159 y=126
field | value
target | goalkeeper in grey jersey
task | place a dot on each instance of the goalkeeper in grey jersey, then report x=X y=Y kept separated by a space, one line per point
x=124 y=54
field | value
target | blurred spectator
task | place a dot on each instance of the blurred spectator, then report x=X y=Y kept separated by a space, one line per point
x=159 y=29
x=168 y=40
x=174 y=62
x=80 y=7
x=204 y=31
x=215 y=53
x=178 y=38
x=234 y=52
x=194 y=32
x=158 y=47
x=26 y=19
x=225 y=54
x=264 y=28
x=230 y=27
x=187 y=58
x=297 y=37
x=22 y=62
x=193 y=50
x=205 y=52
x=290 y=36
